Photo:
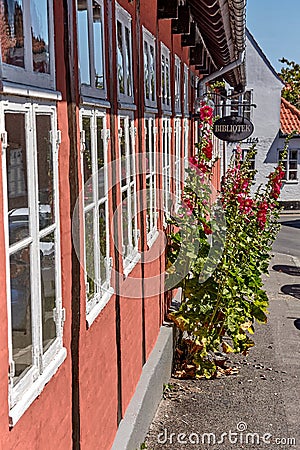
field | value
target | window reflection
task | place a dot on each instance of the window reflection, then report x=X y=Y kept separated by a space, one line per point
x=120 y=58
x=102 y=242
x=83 y=41
x=87 y=161
x=48 y=287
x=45 y=171
x=12 y=32
x=40 y=35
x=16 y=163
x=90 y=254
x=20 y=294
x=98 y=45
x=128 y=61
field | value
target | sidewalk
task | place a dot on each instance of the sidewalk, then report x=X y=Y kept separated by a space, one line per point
x=263 y=399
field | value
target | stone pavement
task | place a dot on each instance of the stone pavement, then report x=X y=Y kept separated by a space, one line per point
x=259 y=408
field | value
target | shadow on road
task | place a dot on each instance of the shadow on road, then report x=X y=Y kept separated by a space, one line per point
x=297 y=324
x=291 y=289
x=290 y=270
x=291 y=223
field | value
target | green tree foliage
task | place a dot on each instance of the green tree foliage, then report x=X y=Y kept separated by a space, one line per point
x=290 y=75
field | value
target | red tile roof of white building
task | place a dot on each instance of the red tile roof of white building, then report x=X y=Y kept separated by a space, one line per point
x=289 y=117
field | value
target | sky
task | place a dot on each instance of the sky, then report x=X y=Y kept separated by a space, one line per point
x=275 y=26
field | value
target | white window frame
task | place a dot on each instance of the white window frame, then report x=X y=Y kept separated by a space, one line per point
x=186 y=89
x=125 y=19
x=151 y=176
x=165 y=78
x=186 y=129
x=177 y=84
x=44 y=365
x=149 y=41
x=287 y=162
x=103 y=287
x=130 y=254
x=27 y=76
x=252 y=160
x=166 y=164
x=178 y=160
x=92 y=90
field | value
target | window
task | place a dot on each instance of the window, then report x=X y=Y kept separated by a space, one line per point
x=91 y=47
x=252 y=160
x=97 y=261
x=177 y=77
x=124 y=55
x=27 y=43
x=151 y=216
x=290 y=163
x=165 y=78
x=166 y=164
x=33 y=260
x=186 y=145
x=130 y=232
x=241 y=105
x=186 y=89
x=149 y=69
x=178 y=179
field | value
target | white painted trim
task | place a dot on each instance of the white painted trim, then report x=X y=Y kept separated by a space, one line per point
x=125 y=20
x=37 y=387
x=29 y=91
x=165 y=52
x=95 y=311
x=150 y=40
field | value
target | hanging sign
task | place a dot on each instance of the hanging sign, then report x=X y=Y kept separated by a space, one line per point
x=233 y=128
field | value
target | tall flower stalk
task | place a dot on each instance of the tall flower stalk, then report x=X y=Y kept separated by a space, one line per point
x=218 y=313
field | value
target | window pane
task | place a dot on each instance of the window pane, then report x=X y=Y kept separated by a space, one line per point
x=168 y=81
x=100 y=158
x=128 y=61
x=102 y=241
x=21 y=311
x=120 y=58
x=122 y=143
x=90 y=254
x=83 y=42
x=133 y=215
x=293 y=165
x=16 y=163
x=292 y=175
x=40 y=35
x=12 y=32
x=125 y=200
x=152 y=73
x=146 y=71
x=45 y=171
x=98 y=45
x=87 y=161
x=293 y=154
x=48 y=288
x=163 y=81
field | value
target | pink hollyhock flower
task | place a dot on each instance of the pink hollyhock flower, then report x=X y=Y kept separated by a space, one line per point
x=206 y=113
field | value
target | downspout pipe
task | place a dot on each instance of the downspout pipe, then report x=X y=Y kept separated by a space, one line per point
x=201 y=84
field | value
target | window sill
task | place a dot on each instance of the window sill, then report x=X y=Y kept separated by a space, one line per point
x=35 y=390
x=95 y=311
x=290 y=182
x=151 y=109
x=29 y=91
x=94 y=101
x=130 y=264
x=129 y=106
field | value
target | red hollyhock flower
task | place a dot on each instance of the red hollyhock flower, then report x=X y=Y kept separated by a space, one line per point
x=207 y=150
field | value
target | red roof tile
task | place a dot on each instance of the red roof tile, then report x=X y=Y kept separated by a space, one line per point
x=289 y=117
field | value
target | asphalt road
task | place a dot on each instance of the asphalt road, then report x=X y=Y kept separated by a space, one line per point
x=288 y=239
